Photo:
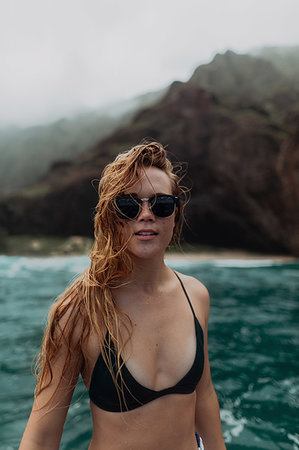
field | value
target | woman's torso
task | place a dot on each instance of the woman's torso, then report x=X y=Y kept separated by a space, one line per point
x=164 y=345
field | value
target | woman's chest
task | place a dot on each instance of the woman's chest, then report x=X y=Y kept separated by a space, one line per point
x=157 y=345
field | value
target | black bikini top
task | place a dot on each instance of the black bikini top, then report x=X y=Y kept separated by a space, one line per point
x=102 y=390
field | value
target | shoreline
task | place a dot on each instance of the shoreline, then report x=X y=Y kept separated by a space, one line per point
x=50 y=246
x=228 y=254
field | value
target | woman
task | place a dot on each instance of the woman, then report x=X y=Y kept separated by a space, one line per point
x=135 y=329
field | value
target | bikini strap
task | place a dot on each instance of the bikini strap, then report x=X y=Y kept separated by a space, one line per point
x=185 y=292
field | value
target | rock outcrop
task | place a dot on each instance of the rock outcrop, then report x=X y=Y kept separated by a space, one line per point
x=242 y=155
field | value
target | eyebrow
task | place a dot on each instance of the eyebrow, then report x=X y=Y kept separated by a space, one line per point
x=153 y=195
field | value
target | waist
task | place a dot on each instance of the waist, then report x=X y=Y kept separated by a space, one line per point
x=166 y=422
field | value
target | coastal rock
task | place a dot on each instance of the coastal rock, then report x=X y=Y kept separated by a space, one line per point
x=243 y=167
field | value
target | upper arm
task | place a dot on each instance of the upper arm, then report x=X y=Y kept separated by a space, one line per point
x=50 y=408
x=46 y=421
x=201 y=303
x=207 y=415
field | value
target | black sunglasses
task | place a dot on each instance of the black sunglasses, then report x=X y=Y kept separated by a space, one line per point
x=161 y=205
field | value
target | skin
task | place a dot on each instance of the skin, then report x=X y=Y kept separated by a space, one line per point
x=161 y=352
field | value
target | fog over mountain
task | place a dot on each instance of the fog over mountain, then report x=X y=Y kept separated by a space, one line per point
x=285 y=59
x=60 y=58
x=236 y=124
x=27 y=154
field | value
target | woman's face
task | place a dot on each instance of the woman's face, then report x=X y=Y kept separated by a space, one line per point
x=142 y=244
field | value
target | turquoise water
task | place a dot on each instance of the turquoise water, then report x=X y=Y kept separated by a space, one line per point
x=253 y=347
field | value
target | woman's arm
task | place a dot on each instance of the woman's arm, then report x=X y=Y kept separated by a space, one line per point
x=207 y=415
x=45 y=424
x=50 y=407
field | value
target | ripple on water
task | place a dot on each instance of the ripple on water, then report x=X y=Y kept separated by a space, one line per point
x=252 y=342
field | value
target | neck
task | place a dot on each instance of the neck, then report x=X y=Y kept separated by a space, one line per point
x=149 y=273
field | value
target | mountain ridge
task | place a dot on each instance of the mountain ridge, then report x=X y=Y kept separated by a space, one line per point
x=243 y=168
x=27 y=154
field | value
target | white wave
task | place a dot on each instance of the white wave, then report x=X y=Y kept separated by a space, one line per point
x=11 y=267
x=247 y=263
x=72 y=263
x=294 y=438
x=181 y=263
x=236 y=426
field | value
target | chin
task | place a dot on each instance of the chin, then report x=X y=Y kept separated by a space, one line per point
x=146 y=253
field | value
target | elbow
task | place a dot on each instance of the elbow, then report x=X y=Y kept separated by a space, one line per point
x=39 y=440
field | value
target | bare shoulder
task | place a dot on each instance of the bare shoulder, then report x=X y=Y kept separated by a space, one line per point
x=65 y=314
x=195 y=288
x=198 y=294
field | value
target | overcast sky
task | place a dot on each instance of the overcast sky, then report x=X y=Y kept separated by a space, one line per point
x=61 y=56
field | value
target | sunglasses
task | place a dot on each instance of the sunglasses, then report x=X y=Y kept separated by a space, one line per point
x=161 y=205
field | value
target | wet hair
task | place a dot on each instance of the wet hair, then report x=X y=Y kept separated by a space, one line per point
x=88 y=304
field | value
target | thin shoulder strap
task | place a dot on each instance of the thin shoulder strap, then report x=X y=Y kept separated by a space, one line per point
x=185 y=292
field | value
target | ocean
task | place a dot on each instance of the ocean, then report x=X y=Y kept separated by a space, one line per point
x=253 y=347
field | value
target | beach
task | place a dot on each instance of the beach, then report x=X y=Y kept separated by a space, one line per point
x=47 y=246
x=227 y=254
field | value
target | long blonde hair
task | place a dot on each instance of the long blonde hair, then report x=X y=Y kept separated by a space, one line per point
x=88 y=304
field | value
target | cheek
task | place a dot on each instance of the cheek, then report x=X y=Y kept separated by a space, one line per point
x=170 y=228
x=125 y=230
x=169 y=225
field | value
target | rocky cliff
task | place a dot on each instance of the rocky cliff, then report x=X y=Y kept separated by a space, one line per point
x=242 y=153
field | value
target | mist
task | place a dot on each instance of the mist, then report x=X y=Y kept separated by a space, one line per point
x=61 y=58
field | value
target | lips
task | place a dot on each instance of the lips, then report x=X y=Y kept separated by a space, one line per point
x=146 y=233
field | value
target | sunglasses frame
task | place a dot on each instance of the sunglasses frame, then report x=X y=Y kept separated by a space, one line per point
x=138 y=201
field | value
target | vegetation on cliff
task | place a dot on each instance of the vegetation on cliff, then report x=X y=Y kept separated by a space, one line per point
x=236 y=125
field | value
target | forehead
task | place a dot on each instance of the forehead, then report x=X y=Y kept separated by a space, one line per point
x=151 y=180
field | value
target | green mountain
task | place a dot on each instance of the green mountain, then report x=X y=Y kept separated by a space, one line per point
x=27 y=154
x=240 y=76
x=247 y=81
x=285 y=59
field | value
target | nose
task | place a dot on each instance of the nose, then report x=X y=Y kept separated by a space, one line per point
x=146 y=212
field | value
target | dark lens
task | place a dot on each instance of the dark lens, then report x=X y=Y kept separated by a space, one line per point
x=163 y=205
x=126 y=208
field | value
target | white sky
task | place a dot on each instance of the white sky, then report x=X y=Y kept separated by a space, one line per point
x=60 y=56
